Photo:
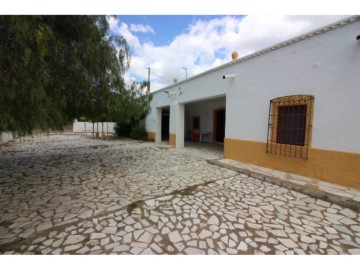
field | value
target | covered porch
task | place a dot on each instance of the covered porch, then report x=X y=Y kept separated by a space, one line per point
x=205 y=121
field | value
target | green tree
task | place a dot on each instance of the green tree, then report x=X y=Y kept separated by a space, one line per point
x=57 y=68
x=135 y=105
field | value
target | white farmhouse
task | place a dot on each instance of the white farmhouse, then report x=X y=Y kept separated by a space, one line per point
x=294 y=106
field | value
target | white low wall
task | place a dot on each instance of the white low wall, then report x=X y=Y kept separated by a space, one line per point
x=82 y=127
x=6 y=137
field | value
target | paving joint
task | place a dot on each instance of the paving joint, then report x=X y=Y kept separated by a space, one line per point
x=19 y=241
x=136 y=198
x=307 y=189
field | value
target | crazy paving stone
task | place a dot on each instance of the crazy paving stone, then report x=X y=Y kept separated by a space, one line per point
x=72 y=247
x=242 y=246
x=146 y=237
x=156 y=248
x=44 y=226
x=97 y=235
x=306 y=239
x=213 y=220
x=136 y=250
x=175 y=237
x=288 y=243
x=74 y=239
x=194 y=251
x=110 y=230
x=342 y=229
x=83 y=250
x=180 y=246
x=86 y=214
x=355 y=251
x=39 y=240
x=121 y=248
x=205 y=234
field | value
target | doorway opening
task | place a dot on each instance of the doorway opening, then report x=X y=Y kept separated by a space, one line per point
x=219 y=125
x=165 y=124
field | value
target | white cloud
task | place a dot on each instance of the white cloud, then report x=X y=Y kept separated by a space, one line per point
x=209 y=43
x=112 y=22
x=141 y=28
x=123 y=30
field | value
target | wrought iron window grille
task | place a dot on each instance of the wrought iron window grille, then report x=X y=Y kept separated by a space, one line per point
x=289 y=126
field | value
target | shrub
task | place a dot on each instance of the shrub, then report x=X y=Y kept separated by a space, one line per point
x=139 y=133
x=123 y=129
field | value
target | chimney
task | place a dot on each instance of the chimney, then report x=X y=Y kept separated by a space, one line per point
x=234 y=55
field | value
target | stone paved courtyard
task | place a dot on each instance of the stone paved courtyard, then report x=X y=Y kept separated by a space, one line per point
x=65 y=194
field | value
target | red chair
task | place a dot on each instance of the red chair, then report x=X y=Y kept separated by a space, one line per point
x=195 y=136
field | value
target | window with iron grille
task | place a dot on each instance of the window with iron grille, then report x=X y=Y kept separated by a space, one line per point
x=289 y=126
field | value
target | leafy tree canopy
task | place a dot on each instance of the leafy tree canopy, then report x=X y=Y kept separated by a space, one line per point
x=57 y=68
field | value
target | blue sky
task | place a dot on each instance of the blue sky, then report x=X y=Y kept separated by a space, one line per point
x=166 y=27
x=166 y=44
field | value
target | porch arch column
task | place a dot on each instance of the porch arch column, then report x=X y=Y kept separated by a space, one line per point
x=158 y=121
x=177 y=116
x=180 y=123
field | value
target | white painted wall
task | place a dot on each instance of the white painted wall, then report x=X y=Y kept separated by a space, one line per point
x=207 y=87
x=203 y=88
x=160 y=100
x=180 y=124
x=5 y=137
x=326 y=66
x=173 y=111
x=157 y=121
x=79 y=127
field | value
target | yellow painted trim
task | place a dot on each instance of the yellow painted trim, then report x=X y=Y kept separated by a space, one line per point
x=336 y=167
x=151 y=135
x=172 y=139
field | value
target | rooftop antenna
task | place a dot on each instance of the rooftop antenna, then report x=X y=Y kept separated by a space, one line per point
x=185 y=72
x=148 y=84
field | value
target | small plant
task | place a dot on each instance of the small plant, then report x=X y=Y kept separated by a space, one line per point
x=123 y=129
x=139 y=133
x=186 y=191
x=133 y=206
